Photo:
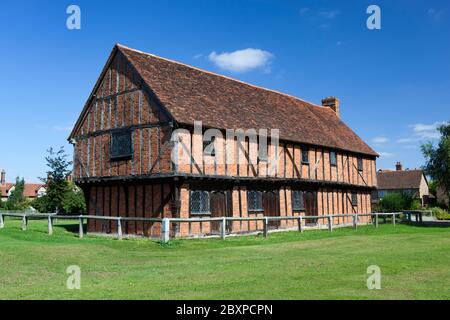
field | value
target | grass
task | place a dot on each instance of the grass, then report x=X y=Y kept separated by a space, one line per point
x=414 y=263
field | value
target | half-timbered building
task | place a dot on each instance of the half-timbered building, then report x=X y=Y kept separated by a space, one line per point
x=138 y=151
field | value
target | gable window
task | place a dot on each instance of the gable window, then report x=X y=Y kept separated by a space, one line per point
x=121 y=146
x=254 y=201
x=305 y=156
x=354 y=199
x=298 y=203
x=360 y=164
x=333 y=158
x=199 y=202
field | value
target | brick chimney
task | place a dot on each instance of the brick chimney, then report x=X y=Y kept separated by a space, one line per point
x=3 y=177
x=333 y=103
x=398 y=166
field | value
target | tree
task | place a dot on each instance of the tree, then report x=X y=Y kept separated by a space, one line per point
x=16 y=200
x=74 y=201
x=437 y=158
x=56 y=180
x=398 y=201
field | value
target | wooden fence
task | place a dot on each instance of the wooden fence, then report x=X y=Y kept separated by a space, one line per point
x=167 y=222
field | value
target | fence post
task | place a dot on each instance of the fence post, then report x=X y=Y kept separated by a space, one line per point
x=266 y=227
x=119 y=228
x=376 y=219
x=80 y=228
x=330 y=223
x=355 y=223
x=223 y=229
x=50 y=225
x=2 y=224
x=165 y=228
x=393 y=219
x=24 y=223
x=300 y=225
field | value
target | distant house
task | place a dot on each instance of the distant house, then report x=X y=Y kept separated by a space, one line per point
x=408 y=181
x=31 y=190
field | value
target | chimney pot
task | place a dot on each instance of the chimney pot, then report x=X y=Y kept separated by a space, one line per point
x=333 y=103
x=3 y=177
x=398 y=166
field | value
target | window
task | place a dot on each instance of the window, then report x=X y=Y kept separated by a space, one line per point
x=199 y=202
x=360 y=164
x=209 y=148
x=354 y=199
x=298 y=203
x=254 y=201
x=333 y=159
x=305 y=156
x=121 y=146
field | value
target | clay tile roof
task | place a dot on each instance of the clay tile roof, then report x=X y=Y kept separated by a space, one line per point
x=406 y=179
x=190 y=94
x=30 y=189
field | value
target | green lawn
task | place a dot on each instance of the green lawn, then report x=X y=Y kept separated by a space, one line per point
x=414 y=262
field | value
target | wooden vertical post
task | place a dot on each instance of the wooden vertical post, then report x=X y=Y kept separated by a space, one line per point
x=80 y=228
x=119 y=228
x=24 y=223
x=393 y=219
x=355 y=223
x=330 y=223
x=2 y=223
x=266 y=227
x=300 y=224
x=223 y=229
x=376 y=220
x=50 y=225
x=165 y=229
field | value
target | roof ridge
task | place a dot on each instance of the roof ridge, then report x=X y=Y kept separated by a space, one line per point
x=221 y=75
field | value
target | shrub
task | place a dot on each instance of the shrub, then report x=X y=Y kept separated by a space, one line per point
x=440 y=214
x=396 y=201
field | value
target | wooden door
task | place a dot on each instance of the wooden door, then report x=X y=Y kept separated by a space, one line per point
x=218 y=209
x=271 y=205
x=310 y=199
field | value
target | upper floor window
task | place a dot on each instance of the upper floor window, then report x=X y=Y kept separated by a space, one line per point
x=254 y=201
x=199 y=202
x=298 y=202
x=305 y=156
x=360 y=164
x=333 y=158
x=354 y=199
x=121 y=145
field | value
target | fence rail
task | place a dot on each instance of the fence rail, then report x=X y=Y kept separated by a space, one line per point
x=166 y=222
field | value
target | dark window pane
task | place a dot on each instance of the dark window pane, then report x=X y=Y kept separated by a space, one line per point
x=298 y=202
x=305 y=156
x=333 y=159
x=121 y=146
x=354 y=199
x=209 y=147
x=254 y=201
x=360 y=164
x=199 y=202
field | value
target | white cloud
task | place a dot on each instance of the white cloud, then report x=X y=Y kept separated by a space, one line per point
x=427 y=131
x=379 y=140
x=63 y=128
x=434 y=13
x=198 y=56
x=242 y=60
x=329 y=14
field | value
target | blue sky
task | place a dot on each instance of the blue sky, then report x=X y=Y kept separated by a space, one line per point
x=393 y=83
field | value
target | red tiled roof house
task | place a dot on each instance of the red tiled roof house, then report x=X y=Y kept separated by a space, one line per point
x=128 y=142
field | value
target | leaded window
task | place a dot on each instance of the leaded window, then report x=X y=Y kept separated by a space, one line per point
x=305 y=156
x=298 y=202
x=199 y=202
x=354 y=199
x=333 y=158
x=254 y=201
x=121 y=145
x=360 y=164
